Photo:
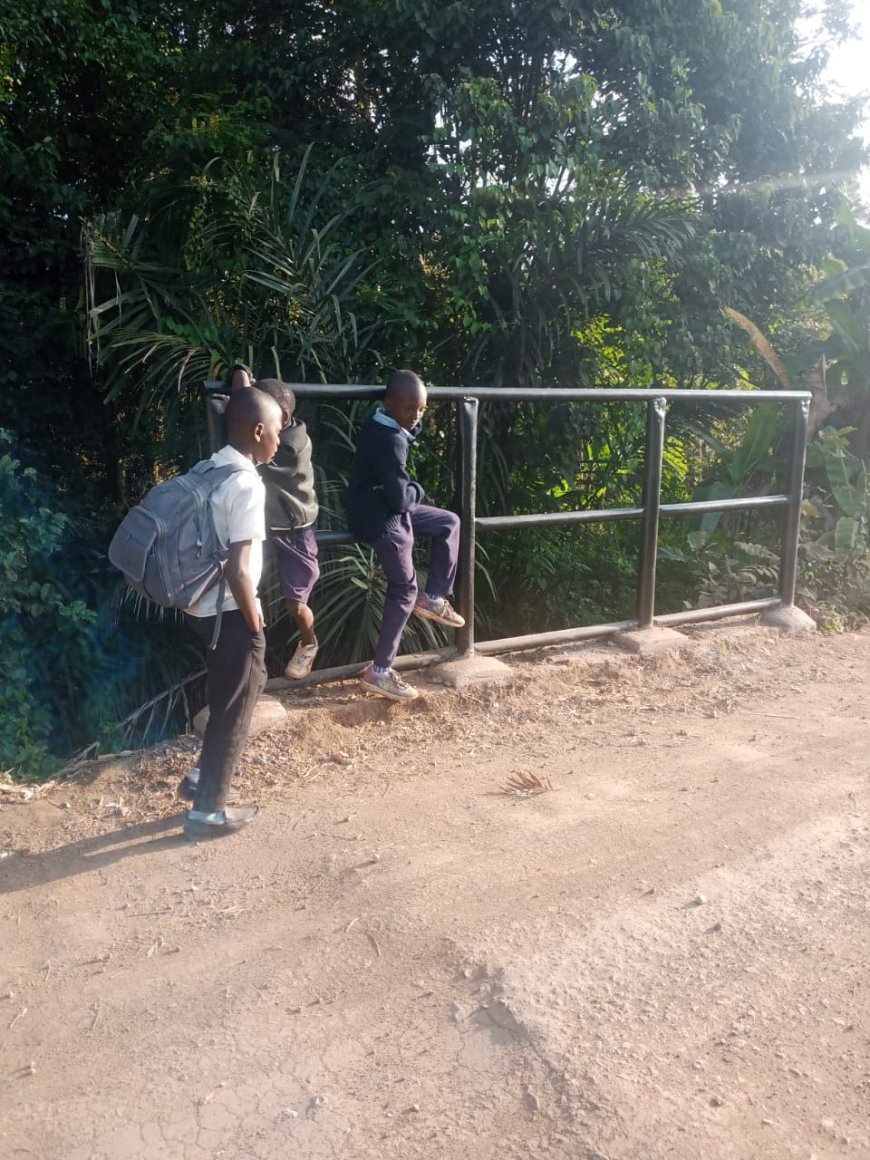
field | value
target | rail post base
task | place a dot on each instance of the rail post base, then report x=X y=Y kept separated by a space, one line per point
x=788 y=618
x=468 y=671
x=646 y=641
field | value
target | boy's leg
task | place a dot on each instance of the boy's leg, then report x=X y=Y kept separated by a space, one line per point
x=236 y=676
x=299 y=570
x=303 y=618
x=443 y=527
x=395 y=555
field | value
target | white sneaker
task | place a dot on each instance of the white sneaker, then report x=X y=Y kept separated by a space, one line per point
x=301 y=663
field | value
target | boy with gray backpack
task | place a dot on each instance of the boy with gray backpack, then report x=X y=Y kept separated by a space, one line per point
x=196 y=543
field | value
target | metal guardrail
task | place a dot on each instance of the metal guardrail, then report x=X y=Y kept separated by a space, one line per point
x=649 y=513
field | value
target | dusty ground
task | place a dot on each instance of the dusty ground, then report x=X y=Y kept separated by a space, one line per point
x=664 y=957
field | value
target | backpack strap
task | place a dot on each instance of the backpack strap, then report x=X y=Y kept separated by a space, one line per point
x=219 y=611
x=228 y=469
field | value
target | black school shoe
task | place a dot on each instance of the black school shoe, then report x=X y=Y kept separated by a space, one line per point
x=234 y=819
x=187 y=791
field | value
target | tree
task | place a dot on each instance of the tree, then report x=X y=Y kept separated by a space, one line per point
x=92 y=100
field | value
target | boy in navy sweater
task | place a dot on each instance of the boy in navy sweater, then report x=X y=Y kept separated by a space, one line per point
x=385 y=508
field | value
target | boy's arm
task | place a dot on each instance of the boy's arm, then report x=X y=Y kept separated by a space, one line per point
x=241 y=585
x=246 y=523
x=400 y=491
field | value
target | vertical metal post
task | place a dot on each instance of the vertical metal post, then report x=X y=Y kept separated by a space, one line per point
x=468 y=513
x=791 y=531
x=652 y=498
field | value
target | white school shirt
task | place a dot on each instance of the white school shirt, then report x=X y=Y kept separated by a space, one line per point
x=239 y=511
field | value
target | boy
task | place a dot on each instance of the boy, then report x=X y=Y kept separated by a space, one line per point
x=236 y=666
x=385 y=508
x=291 y=509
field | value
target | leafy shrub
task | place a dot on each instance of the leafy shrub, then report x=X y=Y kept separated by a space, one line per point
x=834 y=587
x=546 y=578
x=721 y=572
x=82 y=666
x=42 y=622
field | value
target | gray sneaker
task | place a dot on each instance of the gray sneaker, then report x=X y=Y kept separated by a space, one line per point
x=389 y=685
x=440 y=610
x=197 y=829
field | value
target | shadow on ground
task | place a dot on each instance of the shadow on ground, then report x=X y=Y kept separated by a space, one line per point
x=24 y=871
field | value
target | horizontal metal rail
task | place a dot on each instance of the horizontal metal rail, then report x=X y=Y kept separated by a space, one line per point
x=330 y=392
x=559 y=636
x=590 y=516
x=718 y=611
x=597 y=631
x=608 y=515
x=749 y=502
x=543 y=519
x=335 y=539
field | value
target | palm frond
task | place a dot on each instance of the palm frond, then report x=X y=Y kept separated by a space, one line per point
x=761 y=344
x=248 y=266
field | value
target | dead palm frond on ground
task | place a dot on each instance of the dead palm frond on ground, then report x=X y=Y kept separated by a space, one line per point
x=525 y=784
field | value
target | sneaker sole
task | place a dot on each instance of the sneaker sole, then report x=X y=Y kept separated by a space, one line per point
x=206 y=832
x=209 y=833
x=425 y=614
x=374 y=691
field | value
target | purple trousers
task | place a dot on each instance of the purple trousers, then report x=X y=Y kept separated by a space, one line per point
x=395 y=555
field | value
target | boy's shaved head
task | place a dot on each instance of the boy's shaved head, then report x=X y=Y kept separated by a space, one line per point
x=404 y=383
x=405 y=399
x=280 y=391
x=246 y=409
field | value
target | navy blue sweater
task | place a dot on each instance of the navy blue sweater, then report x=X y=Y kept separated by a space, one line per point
x=379 y=489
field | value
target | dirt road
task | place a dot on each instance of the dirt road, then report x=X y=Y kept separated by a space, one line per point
x=665 y=956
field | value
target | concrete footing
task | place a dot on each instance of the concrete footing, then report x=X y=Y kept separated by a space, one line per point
x=269 y=713
x=468 y=671
x=646 y=641
x=788 y=618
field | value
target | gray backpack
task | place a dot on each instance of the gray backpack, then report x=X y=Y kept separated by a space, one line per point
x=167 y=547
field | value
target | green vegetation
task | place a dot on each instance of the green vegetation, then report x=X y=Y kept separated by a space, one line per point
x=532 y=192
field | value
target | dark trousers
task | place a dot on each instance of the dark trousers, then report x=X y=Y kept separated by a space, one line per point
x=395 y=554
x=236 y=676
